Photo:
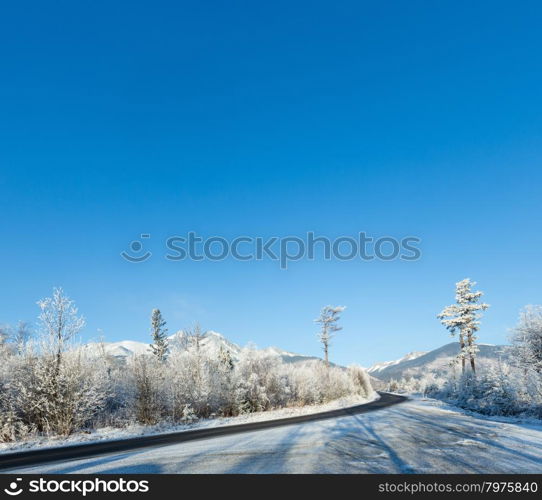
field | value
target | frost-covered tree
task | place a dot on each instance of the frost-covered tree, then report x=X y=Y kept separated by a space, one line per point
x=148 y=379
x=226 y=381
x=4 y=338
x=21 y=335
x=194 y=337
x=51 y=386
x=463 y=318
x=59 y=400
x=328 y=319
x=13 y=339
x=225 y=359
x=4 y=333
x=160 y=345
x=59 y=322
x=527 y=339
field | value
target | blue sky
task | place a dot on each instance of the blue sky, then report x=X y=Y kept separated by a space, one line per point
x=234 y=118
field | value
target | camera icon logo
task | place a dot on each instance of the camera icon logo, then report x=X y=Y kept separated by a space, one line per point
x=14 y=489
x=135 y=252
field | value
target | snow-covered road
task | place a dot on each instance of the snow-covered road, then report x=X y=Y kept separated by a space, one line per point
x=417 y=436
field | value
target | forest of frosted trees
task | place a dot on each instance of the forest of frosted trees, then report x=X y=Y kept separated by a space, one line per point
x=50 y=385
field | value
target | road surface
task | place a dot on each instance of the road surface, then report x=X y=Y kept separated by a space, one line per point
x=71 y=452
x=417 y=436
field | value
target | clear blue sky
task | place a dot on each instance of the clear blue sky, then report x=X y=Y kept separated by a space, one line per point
x=231 y=118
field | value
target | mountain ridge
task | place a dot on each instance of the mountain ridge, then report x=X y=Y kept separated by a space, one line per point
x=210 y=341
x=437 y=362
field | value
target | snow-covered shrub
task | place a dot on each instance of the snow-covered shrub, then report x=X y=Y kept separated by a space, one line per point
x=58 y=398
x=250 y=395
x=118 y=408
x=314 y=383
x=147 y=377
x=189 y=382
x=12 y=428
x=259 y=385
x=415 y=383
x=492 y=393
x=188 y=415
x=306 y=388
x=361 y=380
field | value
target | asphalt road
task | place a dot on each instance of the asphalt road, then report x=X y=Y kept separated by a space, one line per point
x=74 y=452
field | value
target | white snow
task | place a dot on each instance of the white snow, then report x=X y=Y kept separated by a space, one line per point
x=418 y=436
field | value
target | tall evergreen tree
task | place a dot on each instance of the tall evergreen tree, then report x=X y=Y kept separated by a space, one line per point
x=160 y=345
x=463 y=318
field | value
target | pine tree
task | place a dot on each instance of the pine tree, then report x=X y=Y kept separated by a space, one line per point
x=160 y=345
x=463 y=318
x=225 y=359
x=329 y=316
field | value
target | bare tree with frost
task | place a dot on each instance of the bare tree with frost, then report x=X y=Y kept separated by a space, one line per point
x=527 y=339
x=55 y=388
x=21 y=335
x=328 y=319
x=59 y=321
x=463 y=318
x=195 y=336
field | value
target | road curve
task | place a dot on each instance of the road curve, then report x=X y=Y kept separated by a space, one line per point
x=43 y=456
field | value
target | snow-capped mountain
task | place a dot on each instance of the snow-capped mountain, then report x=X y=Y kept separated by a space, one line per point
x=122 y=349
x=212 y=342
x=378 y=367
x=437 y=361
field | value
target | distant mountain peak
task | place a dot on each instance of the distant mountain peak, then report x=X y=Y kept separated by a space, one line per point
x=437 y=362
x=377 y=367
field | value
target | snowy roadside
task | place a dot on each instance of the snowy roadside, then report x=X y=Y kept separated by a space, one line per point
x=448 y=406
x=136 y=430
